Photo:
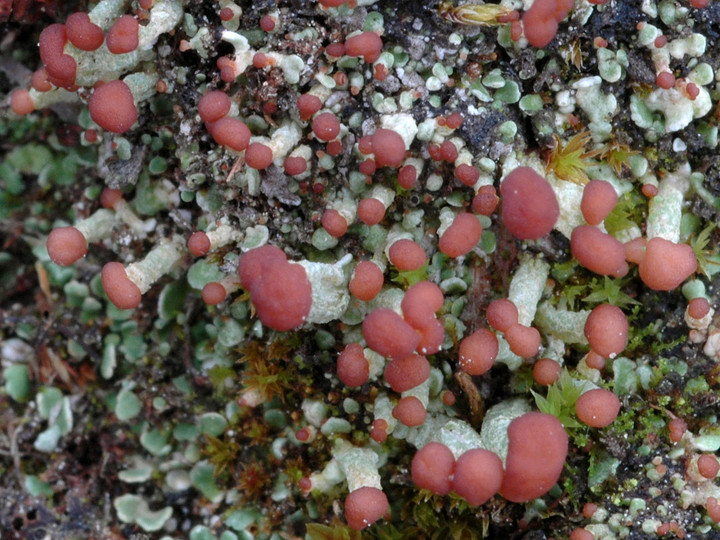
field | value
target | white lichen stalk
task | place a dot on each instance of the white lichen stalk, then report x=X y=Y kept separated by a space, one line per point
x=527 y=286
x=222 y=235
x=291 y=65
x=125 y=213
x=383 y=194
x=161 y=260
x=674 y=103
x=142 y=85
x=526 y=289
x=42 y=100
x=282 y=141
x=101 y=64
x=403 y=124
x=563 y=324
x=97 y=226
x=106 y=11
x=665 y=212
x=330 y=297
x=345 y=204
x=359 y=466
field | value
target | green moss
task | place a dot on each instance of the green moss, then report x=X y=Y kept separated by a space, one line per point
x=560 y=400
x=629 y=212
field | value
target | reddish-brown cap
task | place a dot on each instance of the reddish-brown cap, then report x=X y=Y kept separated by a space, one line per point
x=367 y=281
x=546 y=371
x=649 y=190
x=598 y=251
x=40 y=81
x=581 y=534
x=666 y=264
x=230 y=132
x=698 y=307
x=367 y=44
x=713 y=509
x=539 y=31
x=61 y=68
x=109 y=197
x=123 y=35
x=365 y=506
x=378 y=430
x=258 y=156
x=594 y=360
x=52 y=42
x=370 y=211
x=478 y=476
x=386 y=333
x=708 y=465
x=21 y=102
x=62 y=71
x=365 y=144
x=431 y=468
x=388 y=147
x=402 y=374
x=529 y=206
x=523 y=340
x=467 y=174
x=537 y=448
x=326 y=126
x=308 y=105
x=82 y=33
x=112 y=107
x=295 y=165
x=461 y=236
x=251 y=263
x=213 y=293
x=410 y=411
x=335 y=50
x=454 y=120
x=486 y=201
x=407 y=255
x=589 y=509
x=597 y=408
x=120 y=290
x=606 y=329
x=260 y=60
x=635 y=249
x=432 y=335
x=677 y=428
x=352 y=366
x=598 y=200
x=334 y=148
x=540 y=22
x=501 y=314
x=66 y=245
x=333 y=222
x=421 y=302
x=368 y=167
x=213 y=105
x=665 y=80
x=267 y=23
x=478 y=352
x=407 y=176
x=448 y=151
x=282 y=295
x=198 y=244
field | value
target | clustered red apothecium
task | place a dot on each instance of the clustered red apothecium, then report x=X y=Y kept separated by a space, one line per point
x=407 y=332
